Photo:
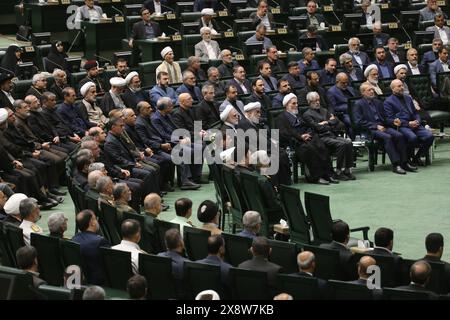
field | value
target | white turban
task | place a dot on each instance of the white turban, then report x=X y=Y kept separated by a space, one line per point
x=3 y=115
x=165 y=51
x=117 y=82
x=224 y=114
x=85 y=88
x=207 y=12
x=288 y=98
x=130 y=76
x=12 y=205
x=226 y=155
x=260 y=157
x=400 y=66
x=251 y=106
x=369 y=68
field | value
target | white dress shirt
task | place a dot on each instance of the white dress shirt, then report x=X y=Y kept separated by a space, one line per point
x=134 y=248
x=211 y=52
x=28 y=228
x=443 y=35
x=157 y=6
x=395 y=57
x=414 y=69
x=9 y=96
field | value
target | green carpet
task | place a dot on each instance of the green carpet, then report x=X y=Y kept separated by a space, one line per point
x=412 y=205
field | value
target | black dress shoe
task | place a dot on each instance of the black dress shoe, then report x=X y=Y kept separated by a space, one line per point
x=189 y=185
x=409 y=167
x=398 y=170
x=332 y=179
x=168 y=188
x=57 y=192
x=349 y=175
x=418 y=162
x=322 y=181
x=54 y=197
x=341 y=176
x=165 y=207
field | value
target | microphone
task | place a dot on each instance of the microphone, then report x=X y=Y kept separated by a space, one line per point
x=74 y=40
x=103 y=58
x=290 y=44
x=240 y=50
x=22 y=37
x=117 y=10
x=278 y=24
x=403 y=28
x=334 y=13
x=229 y=27
x=223 y=6
x=176 y=30
x=278 y=5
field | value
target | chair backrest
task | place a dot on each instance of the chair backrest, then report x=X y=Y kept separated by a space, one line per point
x=117 y=267
x=248 y=284
x=437 y=282
x=55 y=293
x=252 y=193
x=80 y=200
x=349 y=291
x=389 y=269
x=7 y=282
x=20 y=88
x=158 y=272
x=49 y=258
x=23 y=283
x=196 y=242
x=284 y=254
x=272 y=115
x=293 y=210
x=236 y=248
x=70 y=253
x=188 y=43
x=238 y=205
x=202 y=276
x=318 y=210
x=144 y=244
x=8 y=258
x=161 y=227
x=147 y=72
x=399 y=294
x=300 y=288
x=420 y=86
x=112 y=225
x=14 y=235
x=327 y=262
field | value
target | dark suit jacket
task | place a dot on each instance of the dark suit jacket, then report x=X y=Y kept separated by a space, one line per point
x=147 y=133
x=258 y=263
x=81 y=179
x=89 y=245
x=57 y=123
x=107 y=104
x=313 y=117
x=138 y=31
x=422 y=69
x=324 y=101
x=177 y=263
x=152 y=233
x=326 y=78
x=320 y=18
x=41 y=127
x=380 y=40
x=345 y=256
x=429 y=57
x=215 y=260
x=131 y=99
x=358 y=72
x=58 y=91
x=290 y=129
x=164 y=125
x=369 y=117
x=446 y=268
x=416 y=288
x=219 y=87
x=184 y=118
x=256 y=20
x=151 y=7
x=338 y=99
x=323 y=45
x=118 y=153
x=226 y=70
x=400 y=53
x=208 y=113
x=238 y=87
x=295 y=83
x=322 y=284
x=393 y=108
x=4 y=101
x=195 y=92
x=390 y=67
x=264 y=100
x=364 y=58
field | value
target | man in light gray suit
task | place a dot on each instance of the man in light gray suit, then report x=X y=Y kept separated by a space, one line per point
x=207 y=49
x=440 y=65
x=441 y=31
x=88 y=12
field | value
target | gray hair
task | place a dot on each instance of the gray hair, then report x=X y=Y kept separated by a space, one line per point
x=37 y=77
x=211 y=69
x=251 y=219
x=312 y=95
x=206 y=88
x=85 y=152
x=204 y=29
x=163 y=100
x=119 y=189
x=340 y=76
x=127 y=111
x=89 y=144
x=192 y=59
x=353 y=39
x=186 y=74
x=102 y=182
x=18 y=103
x=56 y=71
x=94 y=293
x=55 y=222
x=27 y=206
x=93 y=177
x=306 y=50
x=96 y=166
x=344 y=57
x=306 y=264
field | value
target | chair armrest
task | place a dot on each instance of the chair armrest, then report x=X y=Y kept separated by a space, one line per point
x=364 y=230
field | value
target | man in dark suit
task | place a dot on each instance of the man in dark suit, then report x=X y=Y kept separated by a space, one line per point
x=6 y=98
x=314 y=18
x=394 y=55
x=144 y=29
x=326 y=125
x=276 y=65
x=260 y=250
x=379 y=38
x=242 y=84
x=420 y=274
x=213 y=79
x=90 y=242
x=295 y=77
x=227 y=65
x=259 y=95
x=208 y=110
x=265 y=74
x=152 y=208
x=308 y=62
x=306 y=262
x=438 y=66
x=385 y=68
x=189 y=87
x=369 y=114
x=401 y=113
x=113 y=98
x=134 y=94
x=262 y=15
x=434 y=243
x=91 y=67
x=216 y=254
x=328 y=74
x=251 y=220
x=312 y=84
x=175 y=247
x=80 y=173
x=27 y=260
x=60 y=77
x=432 y=55
x=359 y=58
x=353 y=73
x=363 y=264
x=338 y=96
x=321 y=44
x=283 y=89
x=121 y=156
x=384 y=243
x=340 y=235
x=413 y=63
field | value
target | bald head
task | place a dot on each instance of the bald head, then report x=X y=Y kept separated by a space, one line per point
x=397 y=87
x=185 y=100
x=306 y=261
x=152 y=203
x=363 y=264
x=420 y=272
x=283 y=296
